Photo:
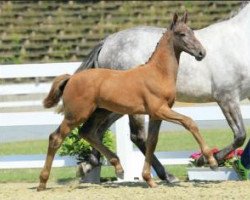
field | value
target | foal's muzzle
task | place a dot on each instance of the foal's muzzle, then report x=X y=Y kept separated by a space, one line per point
x=200 y=55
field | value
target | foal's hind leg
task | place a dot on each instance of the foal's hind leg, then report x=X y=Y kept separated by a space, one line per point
x=93 y=126
x=104 y=123
x=96 y=143
x=96 y=126
x=55 y=141
x=169 y=115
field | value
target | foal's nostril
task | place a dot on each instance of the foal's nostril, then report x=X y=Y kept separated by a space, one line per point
x=201 y=54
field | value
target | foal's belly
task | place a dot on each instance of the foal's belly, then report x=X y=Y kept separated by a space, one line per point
x=122 y=108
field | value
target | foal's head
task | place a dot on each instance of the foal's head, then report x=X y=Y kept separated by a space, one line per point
x=184 y=38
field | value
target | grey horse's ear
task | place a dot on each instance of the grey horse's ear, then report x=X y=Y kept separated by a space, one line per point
x=185 y=17
x=173 y=23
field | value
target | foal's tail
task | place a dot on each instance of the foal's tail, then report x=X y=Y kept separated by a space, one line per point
x=56 y=91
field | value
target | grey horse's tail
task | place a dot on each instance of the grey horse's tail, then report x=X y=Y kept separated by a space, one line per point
x=92 y=57
x=89 y=62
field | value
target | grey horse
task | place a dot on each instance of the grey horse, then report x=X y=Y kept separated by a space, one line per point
x=222 y=77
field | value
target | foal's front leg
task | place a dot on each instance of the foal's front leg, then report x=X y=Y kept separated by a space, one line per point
x=138 y=137
x=151 y=143
x=169 y=115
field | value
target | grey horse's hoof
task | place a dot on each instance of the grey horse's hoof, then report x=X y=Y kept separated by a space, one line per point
x=171 y=179
x=201 y=161
x=120 y=174
x=83 y=169
x=94 y=160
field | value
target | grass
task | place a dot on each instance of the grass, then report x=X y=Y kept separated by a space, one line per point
x=183 y=140
x=57 y=174
x=32 y=175
x=171 y=141
x=26 y=147
x=69 y=173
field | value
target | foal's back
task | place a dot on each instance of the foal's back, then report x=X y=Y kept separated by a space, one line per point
x=120 y=91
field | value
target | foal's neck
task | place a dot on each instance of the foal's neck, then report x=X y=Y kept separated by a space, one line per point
x=166 y=57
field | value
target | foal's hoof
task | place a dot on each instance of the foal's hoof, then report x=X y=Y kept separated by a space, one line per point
x=214 y=166
x=213 y=163
x=41 y=188
x=152 y=184
x=171 y=179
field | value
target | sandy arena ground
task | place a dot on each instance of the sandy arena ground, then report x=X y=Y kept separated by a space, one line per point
x=239 y=190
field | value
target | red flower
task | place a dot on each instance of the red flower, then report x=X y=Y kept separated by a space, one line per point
x=196 y=155
x=237 y=152
x=215 y=150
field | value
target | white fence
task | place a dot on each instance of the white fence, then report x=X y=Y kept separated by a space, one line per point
x=131 y=160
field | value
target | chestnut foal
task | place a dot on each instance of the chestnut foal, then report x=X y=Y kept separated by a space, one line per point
x=148 y=89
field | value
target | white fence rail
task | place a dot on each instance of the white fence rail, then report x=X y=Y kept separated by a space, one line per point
x=33 y=71
x=131 y=160
x=200 y=113
x=34 y=161
x=37 y=70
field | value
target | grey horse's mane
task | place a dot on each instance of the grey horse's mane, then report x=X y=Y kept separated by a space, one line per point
x=235 y=12
x=157 y=45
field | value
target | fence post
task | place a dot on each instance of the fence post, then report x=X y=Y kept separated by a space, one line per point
x=132 y=161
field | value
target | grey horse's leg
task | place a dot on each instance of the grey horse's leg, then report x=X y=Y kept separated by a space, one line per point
x=138 y=137
x=231 y=110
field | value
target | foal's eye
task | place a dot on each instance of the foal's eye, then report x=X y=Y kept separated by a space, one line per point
x=182 y=34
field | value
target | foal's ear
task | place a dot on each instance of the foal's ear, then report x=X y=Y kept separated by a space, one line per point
x=185 y=17
x=173 y=23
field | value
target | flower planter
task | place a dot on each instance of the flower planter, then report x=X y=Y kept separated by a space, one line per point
x=206 y=174
x=93 y=176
